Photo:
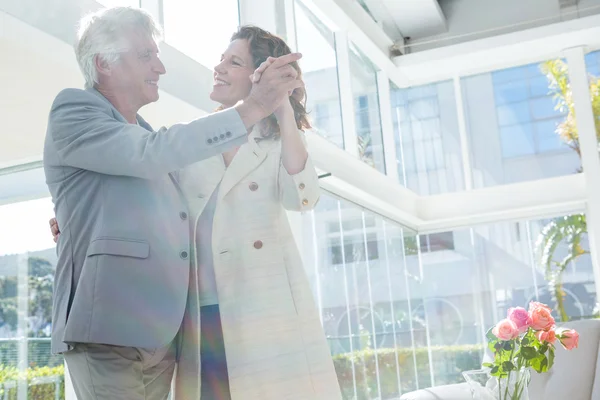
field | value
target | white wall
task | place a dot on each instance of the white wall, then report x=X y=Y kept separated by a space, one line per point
x=35 y=67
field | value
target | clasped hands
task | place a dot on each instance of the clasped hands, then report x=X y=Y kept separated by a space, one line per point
x=275 y=81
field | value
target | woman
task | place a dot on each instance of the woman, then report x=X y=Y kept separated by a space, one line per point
x=252 y=330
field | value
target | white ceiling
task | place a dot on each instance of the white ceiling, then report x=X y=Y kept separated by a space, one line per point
x=426 y=24
x=408 y=18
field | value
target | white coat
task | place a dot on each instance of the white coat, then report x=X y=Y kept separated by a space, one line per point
x=274 y=342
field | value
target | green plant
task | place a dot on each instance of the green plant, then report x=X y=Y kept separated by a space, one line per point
x=557 y=73
x=414 y=367
x=9 y=376
x=570 y=229
x=41 y=277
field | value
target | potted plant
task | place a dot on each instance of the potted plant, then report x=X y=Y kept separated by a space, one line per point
x=524 y=340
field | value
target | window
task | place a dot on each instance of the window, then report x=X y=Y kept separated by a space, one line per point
x=420 y=310
x=366 y=110
x=199 y=29
x=436 y=242
x=427 y=138
x=27 y=264
x=319 y=67
x=354 y=250
x=429 y=243
x=526 y=114
x=511 y=120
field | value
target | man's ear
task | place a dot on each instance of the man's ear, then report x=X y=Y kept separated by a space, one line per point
x=102 y=66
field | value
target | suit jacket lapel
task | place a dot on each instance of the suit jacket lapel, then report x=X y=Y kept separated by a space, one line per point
x=142 y=122
x=247 y=159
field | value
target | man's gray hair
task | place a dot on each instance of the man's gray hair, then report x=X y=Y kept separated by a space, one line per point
x=104 y=34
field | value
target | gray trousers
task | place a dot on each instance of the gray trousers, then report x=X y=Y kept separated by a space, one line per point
x=102 y=372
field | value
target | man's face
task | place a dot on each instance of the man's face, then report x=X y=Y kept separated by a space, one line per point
x=137 y=73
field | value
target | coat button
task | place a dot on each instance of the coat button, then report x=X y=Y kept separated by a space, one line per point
x=253 y=186
x=258 y=244
x=228 y=134
x=183 y=255
x=209 y=141
x=216 y=139
x=304 y=202
x=301 y=186
x=183 y=215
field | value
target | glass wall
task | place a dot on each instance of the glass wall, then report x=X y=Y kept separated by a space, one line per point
x=404 y=311
x=319 y=66
x=27 y=263
x=512 y=119
x=427 y=138
x=358 y=268
x=569 y=131
x=366 y=109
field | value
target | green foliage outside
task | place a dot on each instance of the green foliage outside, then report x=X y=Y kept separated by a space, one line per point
x=570 y=230
x=9 y=377
x=448 y=363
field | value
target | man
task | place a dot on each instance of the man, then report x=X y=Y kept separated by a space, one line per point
x=123 y=256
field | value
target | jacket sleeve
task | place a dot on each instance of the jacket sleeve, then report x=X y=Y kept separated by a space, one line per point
x=301 y=191
x=86 y=135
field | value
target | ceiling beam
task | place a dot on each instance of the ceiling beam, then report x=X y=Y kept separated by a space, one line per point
x=361 y=184
x=499 y=52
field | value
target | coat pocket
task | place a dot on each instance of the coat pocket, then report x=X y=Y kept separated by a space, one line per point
x=119 y=247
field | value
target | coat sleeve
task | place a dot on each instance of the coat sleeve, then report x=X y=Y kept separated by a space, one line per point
x=301 y=191
x=85 y=135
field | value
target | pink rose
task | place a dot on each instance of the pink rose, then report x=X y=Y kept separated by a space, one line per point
x=546 y=336
x=520 y=317
x=537 y=304
x=506 y=330
x=541 y=316
x=569 y=338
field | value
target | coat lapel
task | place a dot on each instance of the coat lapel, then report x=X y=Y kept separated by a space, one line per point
x=247 y=159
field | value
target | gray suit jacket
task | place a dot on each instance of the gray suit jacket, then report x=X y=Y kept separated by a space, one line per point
x=123 y=254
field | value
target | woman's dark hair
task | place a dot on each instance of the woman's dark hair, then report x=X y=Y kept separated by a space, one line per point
x=262 y=45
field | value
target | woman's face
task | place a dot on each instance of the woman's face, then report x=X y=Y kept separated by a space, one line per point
x=232 y=75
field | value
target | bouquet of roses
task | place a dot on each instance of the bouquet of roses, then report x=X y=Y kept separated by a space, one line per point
x=526 y=339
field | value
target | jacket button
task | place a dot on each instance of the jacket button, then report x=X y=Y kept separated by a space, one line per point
x=258 y=244
x=183 y=215
x=209 y=141
x=228 y=134
x=253 y=186
x=301 y=186
x=183 y=255
x=304 y=202
x=216 y=139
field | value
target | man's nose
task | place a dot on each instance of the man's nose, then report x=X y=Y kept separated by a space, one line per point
x=159 y=67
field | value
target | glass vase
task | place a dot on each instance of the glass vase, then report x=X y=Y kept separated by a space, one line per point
x=484 y=386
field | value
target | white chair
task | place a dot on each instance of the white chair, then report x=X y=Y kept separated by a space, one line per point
x=574 y=376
